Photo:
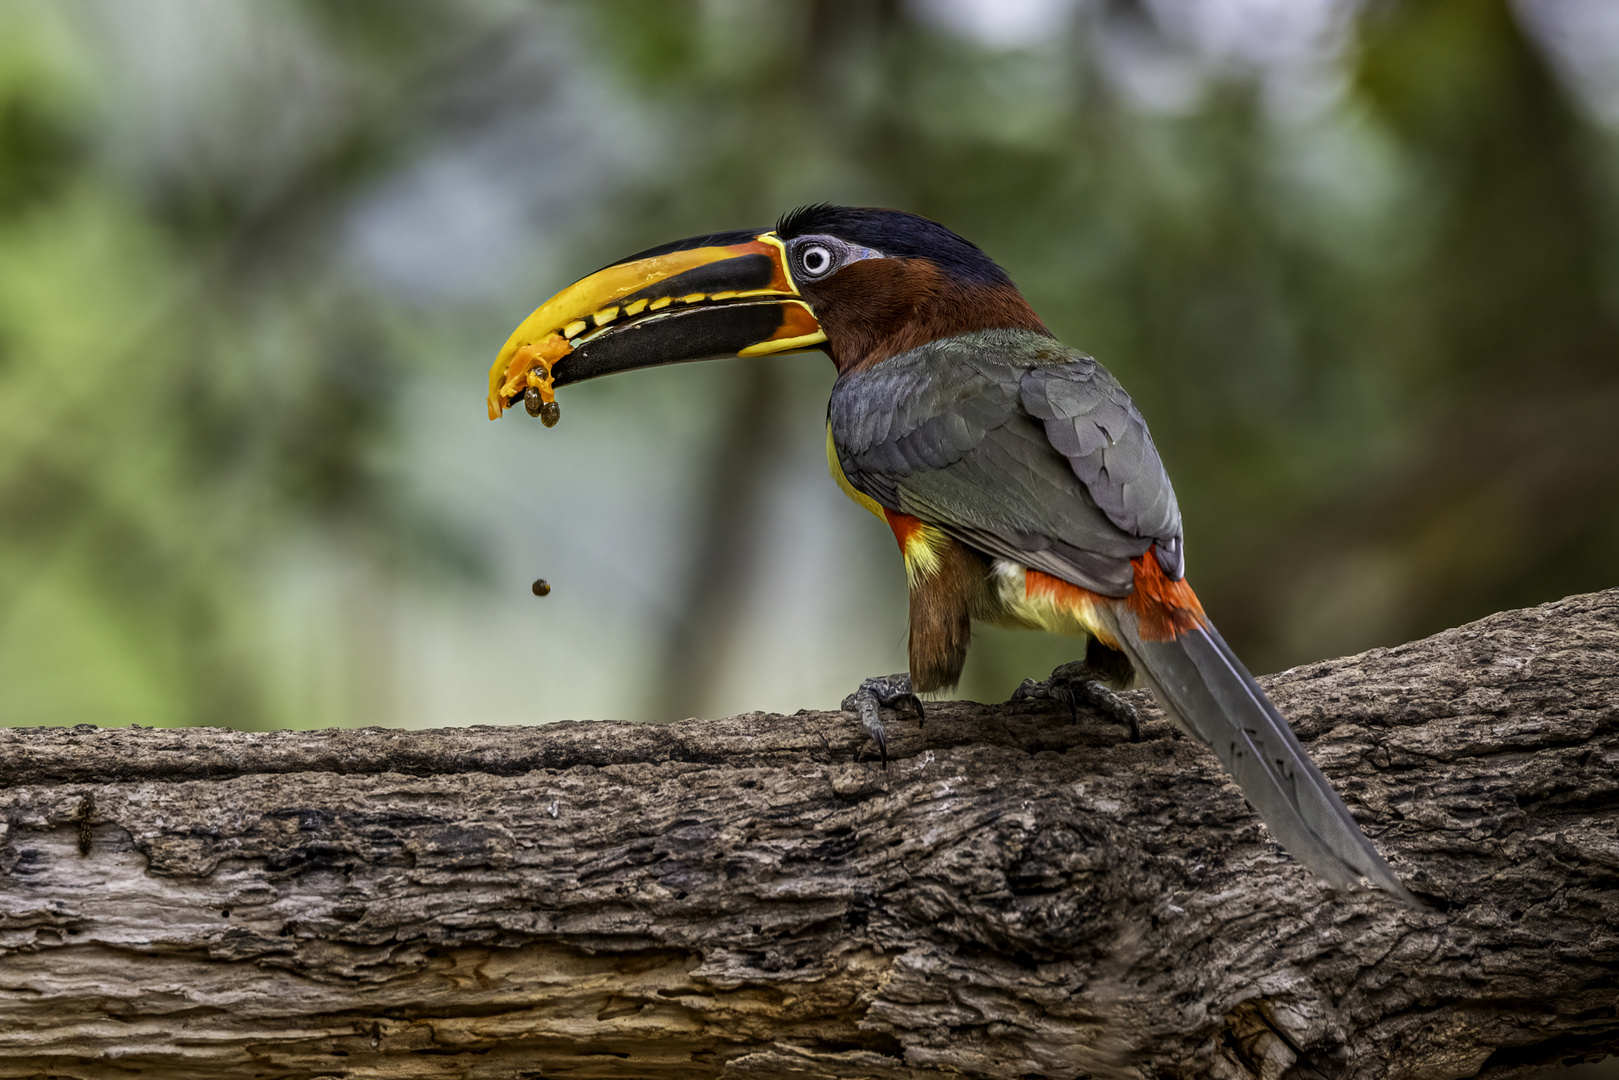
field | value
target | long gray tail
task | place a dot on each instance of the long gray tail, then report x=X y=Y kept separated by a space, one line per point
x=1207 y=691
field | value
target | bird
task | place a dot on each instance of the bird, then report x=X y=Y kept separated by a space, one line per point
x=1020 y=481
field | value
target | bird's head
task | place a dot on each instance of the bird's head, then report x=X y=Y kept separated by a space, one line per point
x=861 y=284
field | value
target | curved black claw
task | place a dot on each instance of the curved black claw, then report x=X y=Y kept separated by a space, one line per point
x=880 y=692
x=1074 y=682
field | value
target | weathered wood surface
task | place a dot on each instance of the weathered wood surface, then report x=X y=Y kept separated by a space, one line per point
x=1016 y=896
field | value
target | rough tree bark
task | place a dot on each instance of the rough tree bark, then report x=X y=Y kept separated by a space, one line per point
x=1016 y=896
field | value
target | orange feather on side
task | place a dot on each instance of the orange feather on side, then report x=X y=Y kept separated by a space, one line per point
x=1166 y=609
x=904 y=525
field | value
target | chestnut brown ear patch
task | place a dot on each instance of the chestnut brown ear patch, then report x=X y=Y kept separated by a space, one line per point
x=877 y=308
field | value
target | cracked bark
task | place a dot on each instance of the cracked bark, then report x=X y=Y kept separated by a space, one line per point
x=1016 y=896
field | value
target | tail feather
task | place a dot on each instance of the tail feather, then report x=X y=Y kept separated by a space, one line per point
x=1211 y=695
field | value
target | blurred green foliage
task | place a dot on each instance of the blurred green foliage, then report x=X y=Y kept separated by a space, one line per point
x=1364 y=293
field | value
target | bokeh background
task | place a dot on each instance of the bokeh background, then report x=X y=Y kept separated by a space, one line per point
x=1357 y=262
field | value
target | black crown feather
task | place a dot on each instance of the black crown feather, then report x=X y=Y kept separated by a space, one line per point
x=896 y=233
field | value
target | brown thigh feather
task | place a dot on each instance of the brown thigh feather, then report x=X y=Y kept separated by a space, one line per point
x=942 y=606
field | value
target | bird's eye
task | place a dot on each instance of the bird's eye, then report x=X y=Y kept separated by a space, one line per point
x=815 y=259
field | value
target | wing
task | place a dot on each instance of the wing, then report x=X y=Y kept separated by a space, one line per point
x=1017 y=446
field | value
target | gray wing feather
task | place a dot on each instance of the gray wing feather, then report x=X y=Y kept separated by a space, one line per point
x=1092 y=422
x=1017 y=446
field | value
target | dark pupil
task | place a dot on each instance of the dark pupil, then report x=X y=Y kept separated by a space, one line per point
x=815 y=260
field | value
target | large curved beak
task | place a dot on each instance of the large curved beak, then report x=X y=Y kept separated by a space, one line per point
x=700 y=299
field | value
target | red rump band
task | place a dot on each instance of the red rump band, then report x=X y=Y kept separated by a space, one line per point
x=1164 y=609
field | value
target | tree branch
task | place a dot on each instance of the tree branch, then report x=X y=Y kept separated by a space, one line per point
x=1016 y=896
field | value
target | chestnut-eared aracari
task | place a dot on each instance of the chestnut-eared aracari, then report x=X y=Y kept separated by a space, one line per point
x=1017 y=476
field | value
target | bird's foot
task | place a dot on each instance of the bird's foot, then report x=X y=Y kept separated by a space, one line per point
x=883 y=692
x=1074 y=682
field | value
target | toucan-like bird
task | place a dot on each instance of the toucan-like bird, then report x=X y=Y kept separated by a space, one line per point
x=1017 y=476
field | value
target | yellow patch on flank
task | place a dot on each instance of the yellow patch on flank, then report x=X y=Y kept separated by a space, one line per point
x=843 y=481
x=1036 y=601
x=920 y=544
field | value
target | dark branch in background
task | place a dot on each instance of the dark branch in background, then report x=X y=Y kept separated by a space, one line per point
x=1016 y=896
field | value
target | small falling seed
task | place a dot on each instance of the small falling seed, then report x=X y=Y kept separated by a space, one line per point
x=531 y=401
x=550 y=413
x=542 y=587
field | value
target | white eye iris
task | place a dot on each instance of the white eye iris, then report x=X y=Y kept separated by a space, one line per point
x=816 y=259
